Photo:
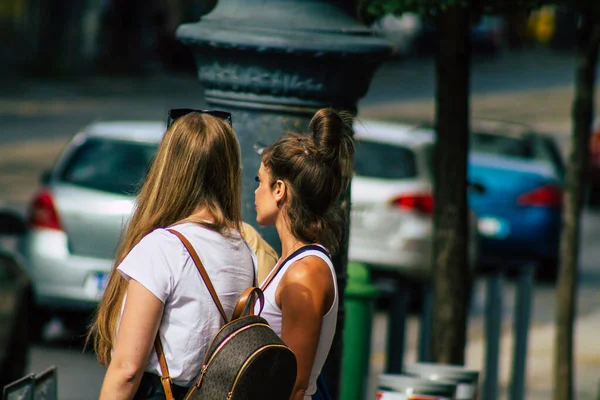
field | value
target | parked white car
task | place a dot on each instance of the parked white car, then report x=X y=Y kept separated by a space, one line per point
x=392 y=200
x=76 y=217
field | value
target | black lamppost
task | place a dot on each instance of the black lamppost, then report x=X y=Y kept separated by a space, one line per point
x=273 y=63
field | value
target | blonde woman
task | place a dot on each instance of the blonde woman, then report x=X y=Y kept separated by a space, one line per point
x=154 y=287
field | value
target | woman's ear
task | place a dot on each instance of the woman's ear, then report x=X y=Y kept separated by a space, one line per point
x=279 y=192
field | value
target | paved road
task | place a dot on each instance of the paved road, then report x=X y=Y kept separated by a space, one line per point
x=414 y=79
x=40 y=109
x=79 y=375
x=37 y=118
x=33 y=109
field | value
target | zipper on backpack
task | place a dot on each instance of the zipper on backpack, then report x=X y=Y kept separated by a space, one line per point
x=202 y=372
x=201 y=376
x=247 y=362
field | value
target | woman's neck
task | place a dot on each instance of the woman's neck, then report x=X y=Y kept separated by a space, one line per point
x=201 y=214
x=289 y=243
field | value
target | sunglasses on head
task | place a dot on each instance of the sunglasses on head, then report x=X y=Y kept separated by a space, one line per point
x=176 y=113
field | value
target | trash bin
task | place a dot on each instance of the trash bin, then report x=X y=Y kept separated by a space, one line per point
x=359 y=300
x=403 y=387
x=467 y=380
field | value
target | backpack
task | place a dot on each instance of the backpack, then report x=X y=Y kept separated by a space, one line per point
x=246 y=359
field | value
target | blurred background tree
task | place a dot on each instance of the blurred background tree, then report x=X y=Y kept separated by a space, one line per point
x=586 y=63
x=451 y=281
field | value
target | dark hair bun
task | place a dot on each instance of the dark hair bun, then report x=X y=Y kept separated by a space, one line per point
x=332 y=135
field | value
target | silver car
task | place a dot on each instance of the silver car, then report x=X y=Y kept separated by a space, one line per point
x=391 y=227
x=76 y=217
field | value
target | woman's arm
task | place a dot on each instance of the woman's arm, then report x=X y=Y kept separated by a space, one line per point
x=135 y=339
x=305 y=294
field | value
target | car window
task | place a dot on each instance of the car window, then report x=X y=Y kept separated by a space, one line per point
x=114 y=166
x=548 y=151
x=507 y=146
x=384 y=161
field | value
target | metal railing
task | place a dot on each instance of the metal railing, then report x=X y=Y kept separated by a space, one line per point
x=41 y=386
x=495 y=280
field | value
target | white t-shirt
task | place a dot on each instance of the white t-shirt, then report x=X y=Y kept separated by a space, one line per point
x=161 y=263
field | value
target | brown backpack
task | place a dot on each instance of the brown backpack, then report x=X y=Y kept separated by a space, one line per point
x=246 y=359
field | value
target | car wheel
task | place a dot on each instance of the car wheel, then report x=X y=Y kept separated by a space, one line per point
x=593 y=198
x=39 y=318
x=17 y=358
x=77 y=325
x=548 y=270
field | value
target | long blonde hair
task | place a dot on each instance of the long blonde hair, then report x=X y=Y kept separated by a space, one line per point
x=197 y=166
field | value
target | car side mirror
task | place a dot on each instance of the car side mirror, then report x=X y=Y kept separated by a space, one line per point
x=11 y=223
x=45 y=177
x=476 y=187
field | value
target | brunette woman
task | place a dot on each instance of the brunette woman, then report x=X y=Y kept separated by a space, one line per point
x=300 y=180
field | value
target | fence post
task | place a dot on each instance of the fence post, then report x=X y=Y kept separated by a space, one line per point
x=523 y=305
x=425 y=325
x=493 y=326
x=397 y=327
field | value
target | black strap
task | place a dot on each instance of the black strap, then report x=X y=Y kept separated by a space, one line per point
x=296 y=253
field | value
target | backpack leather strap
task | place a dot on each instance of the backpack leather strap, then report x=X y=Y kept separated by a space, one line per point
x=246 y=298
x=165 y=378
x=203 y=273
x=162 y=360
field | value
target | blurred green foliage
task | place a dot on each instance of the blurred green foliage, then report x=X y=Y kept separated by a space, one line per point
x=370 y=10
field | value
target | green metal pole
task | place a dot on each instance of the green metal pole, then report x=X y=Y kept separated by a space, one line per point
x=359 y=297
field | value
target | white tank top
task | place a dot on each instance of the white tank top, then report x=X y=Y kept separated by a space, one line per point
x=272 y=313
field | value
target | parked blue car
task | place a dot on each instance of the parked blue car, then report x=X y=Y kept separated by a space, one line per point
x=520 y=204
